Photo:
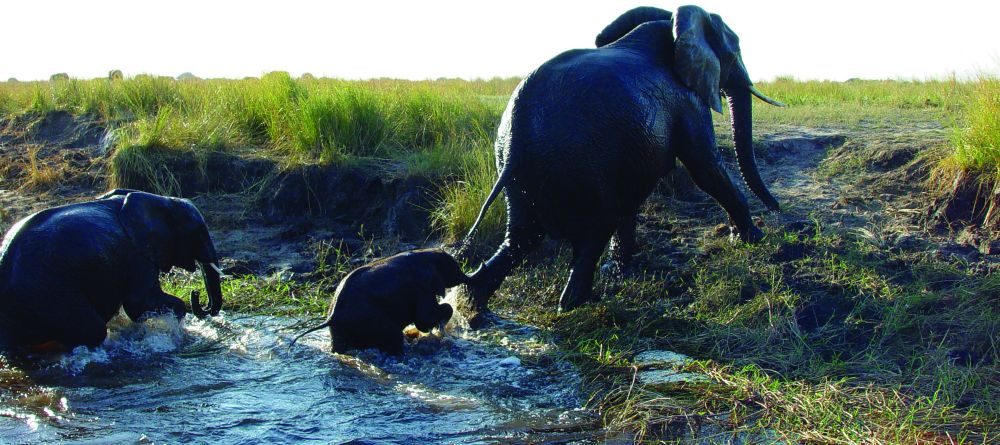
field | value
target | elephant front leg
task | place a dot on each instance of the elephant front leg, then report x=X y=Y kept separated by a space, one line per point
x=702 y=161
x=579 y=288
x=153 y=301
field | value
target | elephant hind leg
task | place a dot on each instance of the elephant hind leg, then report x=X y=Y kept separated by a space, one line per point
x=372 y=330
x=622 y=247
x=579 y=288
x=523 y=236
x=71 y=325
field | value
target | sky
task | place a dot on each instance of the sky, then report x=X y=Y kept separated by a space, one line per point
x=428 y=39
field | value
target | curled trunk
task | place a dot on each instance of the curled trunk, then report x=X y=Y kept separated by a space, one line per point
x=208 y=262
x=213 y=286
x=742 y=123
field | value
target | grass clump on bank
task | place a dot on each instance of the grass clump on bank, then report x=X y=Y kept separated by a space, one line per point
x=977 y=145
x=967 y=179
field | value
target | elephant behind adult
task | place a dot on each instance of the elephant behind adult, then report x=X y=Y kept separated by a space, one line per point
x=66 y=271
x=587 y=135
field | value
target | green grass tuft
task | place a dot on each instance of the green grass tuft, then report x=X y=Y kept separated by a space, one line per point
x=977 y=146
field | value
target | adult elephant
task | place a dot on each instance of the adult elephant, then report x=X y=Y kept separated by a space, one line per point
x=586 y=136
x=66 y=271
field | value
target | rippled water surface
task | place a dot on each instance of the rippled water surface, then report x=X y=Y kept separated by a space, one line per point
x=234 y=380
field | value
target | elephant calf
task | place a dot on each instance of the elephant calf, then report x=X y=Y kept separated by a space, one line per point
x=376 y=301
x=66 y=271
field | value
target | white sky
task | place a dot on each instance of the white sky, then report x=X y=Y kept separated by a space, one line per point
x=428 y=39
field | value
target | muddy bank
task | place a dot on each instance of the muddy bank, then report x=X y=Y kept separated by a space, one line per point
x=251 y=202
x=269 y=218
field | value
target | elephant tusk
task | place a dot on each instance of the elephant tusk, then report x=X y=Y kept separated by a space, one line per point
x=218 y=269
x=764 y=98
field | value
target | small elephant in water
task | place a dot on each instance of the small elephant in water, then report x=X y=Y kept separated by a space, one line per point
x=66 y=271
x=587 y=135
x=374 y=302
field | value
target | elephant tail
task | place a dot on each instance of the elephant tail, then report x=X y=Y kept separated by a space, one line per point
x=313 y=329
x=497 y=187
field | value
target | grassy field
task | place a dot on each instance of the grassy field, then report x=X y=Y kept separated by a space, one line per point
x=819 y=334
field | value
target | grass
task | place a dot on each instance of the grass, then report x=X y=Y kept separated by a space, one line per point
x=974 y=161
x=40 y=175
x=317 y=118
x=462 y=200
x=819 y=336
x=977 y=143
x=862 y=102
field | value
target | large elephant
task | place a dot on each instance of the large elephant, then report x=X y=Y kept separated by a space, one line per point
x=65 y=271
x=374 y=302
x=586 y=136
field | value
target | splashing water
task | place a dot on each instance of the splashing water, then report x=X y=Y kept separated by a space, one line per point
x=233 y=379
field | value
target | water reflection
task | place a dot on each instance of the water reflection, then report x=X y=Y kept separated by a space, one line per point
x=233 y=379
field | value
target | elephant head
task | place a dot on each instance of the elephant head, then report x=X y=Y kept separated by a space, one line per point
x=707 y=60
x=444 y=273
x=171 y=232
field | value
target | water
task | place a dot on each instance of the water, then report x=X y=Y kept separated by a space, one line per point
x=233 y=379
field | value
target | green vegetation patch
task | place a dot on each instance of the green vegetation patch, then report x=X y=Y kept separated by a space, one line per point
x=967 y=179
x=812 y=335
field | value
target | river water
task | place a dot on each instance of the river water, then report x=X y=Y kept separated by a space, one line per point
x=234 y=380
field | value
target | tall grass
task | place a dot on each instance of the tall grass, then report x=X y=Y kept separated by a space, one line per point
x=321 y=119
x=977 y=145
x=461 y=200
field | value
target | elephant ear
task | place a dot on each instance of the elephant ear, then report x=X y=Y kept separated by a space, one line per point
x=628 y=21
x=146 y=220
x=705 y=51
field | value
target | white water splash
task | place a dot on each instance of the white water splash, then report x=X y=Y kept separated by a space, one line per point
x=457 y=321
x=156 y=335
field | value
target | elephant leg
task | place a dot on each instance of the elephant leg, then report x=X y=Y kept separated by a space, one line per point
x=579 y=288
x=153 y=301
x=375 y=330
x=622 y=247
x=522 y=238
x=702 y=161
x=391 y=343
x=71 y=325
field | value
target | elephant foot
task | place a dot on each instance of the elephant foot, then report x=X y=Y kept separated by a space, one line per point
x=752 y=235
x=484 y=319
x=568 y=302
x=615 y=268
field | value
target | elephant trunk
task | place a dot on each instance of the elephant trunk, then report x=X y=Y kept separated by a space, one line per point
x=213 y=286
x=212 y=274
x=742 y=123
